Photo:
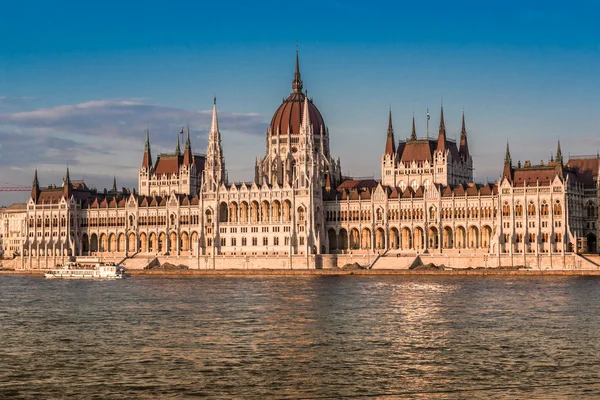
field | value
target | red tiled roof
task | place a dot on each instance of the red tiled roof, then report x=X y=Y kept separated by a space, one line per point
x=587 y=170
x=533 y=175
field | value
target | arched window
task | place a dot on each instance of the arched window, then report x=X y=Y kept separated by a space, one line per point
x=531 y=209
x=557 y=208
x=506 y=209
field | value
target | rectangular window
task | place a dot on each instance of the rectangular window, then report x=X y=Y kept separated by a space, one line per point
x=301 y=240
x=254 y=241
x=233 y=241
x=223 y=242
x=265 y=241
x=287 y=241
x=244 y=241
x=276 y=241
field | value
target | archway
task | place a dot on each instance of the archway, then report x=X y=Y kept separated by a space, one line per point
x=223 y=212
x=406 y=239
x=152 y=243
x=332 y=240
x=394 y=238
x=143 y=242
x=365 y=239
x=131 y=242
x=233 y=212
x=486 y=236
x=264 y=212
x=121 y=243
x=460 y=237
x=85 y=244
x=432 y=237
x=162 y=238
x=354 y=239
x=379 y=239
x=473 y=239
x=276 y=211
x=244 y=212
x=287 y=211
x=418 y=238
x=112 y=243
x=103 y=242
x=447 y=240
x=185 y=242
x=343 y=239
x=173 y=242
x=194 y=242
x=254 y=217
x=590 y=243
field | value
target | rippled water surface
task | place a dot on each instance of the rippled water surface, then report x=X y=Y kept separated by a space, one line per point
x=301 y=337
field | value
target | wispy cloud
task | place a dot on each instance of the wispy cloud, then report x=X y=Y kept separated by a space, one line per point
x=106 y=136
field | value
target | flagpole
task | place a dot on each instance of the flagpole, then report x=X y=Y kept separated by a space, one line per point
x=428 y=124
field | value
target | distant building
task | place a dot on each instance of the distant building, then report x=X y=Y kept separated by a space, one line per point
x=300 y=204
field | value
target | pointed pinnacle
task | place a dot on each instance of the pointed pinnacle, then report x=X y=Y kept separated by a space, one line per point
x=413 y=135
x=390 y=130
x=463 y=131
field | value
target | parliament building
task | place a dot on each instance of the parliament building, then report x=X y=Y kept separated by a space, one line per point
x=300 y=211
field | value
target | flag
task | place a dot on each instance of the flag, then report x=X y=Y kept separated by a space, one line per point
x=181 y=130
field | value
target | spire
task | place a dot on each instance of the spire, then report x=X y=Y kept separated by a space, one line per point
x=413 y=135
x=390 y=145
x=188 y=158
x=35 y=187
x=559 y=157
x=507 y=171
x=67 y=186
x=464 y=146
x=441 y=144
x=215 y=120
x=114 y=188
x=214 y=166
x=297 y=82
x=559 y=161
x=306 y=115
x=507 y=159
x=147 y=160
x=178 y=148
x=188 y=144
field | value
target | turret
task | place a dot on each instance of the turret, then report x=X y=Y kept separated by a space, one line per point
x=35 y=188
x=214 y=167
x=507 y=172
x=67 y=186
x=390 y=143
x=464 y=147
x=147 y=160
x=297 y=82
x=441 y=144
x=188 y=158
x=559 y=161
x=413 y=135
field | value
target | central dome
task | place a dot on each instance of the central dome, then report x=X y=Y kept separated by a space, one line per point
x=288 y=116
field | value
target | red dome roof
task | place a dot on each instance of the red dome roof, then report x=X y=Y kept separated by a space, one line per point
x=289 y=114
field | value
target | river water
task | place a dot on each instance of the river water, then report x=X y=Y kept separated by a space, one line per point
x=311 y=337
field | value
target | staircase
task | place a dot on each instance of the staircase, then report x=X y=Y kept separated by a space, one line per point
x=393 y=261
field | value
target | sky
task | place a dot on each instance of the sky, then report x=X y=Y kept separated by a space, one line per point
x=81 y=81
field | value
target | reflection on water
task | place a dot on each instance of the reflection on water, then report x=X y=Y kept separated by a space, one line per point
x=301 y=337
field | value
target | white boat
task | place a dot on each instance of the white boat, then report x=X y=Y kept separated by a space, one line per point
x=71 y=270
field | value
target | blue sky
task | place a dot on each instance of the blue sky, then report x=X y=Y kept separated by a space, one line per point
x=80 y=81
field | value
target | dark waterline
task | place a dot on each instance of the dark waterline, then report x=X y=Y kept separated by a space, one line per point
x=301 y=337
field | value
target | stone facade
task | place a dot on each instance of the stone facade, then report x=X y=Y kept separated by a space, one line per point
x=300 y=212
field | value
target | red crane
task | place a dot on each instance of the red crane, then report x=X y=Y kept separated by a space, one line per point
x=11 y=187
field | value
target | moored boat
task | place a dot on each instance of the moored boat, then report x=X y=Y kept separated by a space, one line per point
x=72 y=270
